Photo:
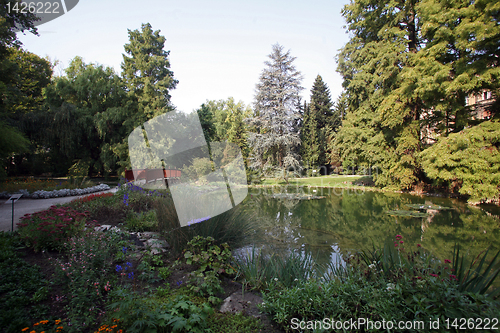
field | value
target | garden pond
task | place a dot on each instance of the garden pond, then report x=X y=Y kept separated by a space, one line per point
x=331 y=223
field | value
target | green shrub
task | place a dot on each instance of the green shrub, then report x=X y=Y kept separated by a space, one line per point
x=389 y=283
x=211 y=261
x=136 y=313
x=235 y=323
x=22 y=287
x=49 y=229
x=87 y=274
x=356 y=299
x=145 y=221
x=468 y=161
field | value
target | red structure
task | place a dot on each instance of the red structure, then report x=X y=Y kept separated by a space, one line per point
x=152 y=174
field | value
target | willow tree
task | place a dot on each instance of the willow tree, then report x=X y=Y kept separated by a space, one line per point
x=276 y=114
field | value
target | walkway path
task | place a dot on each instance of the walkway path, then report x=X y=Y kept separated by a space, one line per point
x=29 y=206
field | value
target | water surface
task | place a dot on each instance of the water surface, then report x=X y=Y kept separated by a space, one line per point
x=346 y=221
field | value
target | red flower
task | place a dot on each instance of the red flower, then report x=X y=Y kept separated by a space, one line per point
x=435 y=275
x=447 y=261
x=418 y=245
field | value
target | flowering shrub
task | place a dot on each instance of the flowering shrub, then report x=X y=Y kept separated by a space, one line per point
x=45 y=326
x=87 y=275
x=93 y=197
x=50 y=228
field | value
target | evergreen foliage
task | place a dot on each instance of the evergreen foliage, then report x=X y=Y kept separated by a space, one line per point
x=276 y=114
x=319 y=121
x=146 y=73
x=468 y=160
x=410 y=65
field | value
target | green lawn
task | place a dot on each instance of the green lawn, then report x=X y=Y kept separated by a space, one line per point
x=354 y=181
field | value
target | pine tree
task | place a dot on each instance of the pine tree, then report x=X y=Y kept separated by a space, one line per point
x=310 y=137
x=324 y=117
x=276 y=114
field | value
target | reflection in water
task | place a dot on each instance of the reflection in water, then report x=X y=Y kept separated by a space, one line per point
x=347 y=221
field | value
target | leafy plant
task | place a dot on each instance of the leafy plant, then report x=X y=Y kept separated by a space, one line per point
x=86 y=274
x=136 y=313
x=203 y=252
x=145 y=221
x=22 y=286
x=478 y=277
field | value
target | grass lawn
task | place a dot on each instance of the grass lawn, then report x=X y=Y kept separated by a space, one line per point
x=344 y=181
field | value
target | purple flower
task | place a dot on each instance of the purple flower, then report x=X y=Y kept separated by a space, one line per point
x=131 y=275
x=124 y=249
x=129 y=264
x=118 y=268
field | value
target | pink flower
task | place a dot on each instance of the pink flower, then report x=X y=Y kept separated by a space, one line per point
x=401 y=242
x=398 y=237
x=453 y=277
x=435 y=275
x=419 y=245
x=395 y=244
x=447 y=261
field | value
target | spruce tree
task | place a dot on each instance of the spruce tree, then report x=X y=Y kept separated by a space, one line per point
x=276 y=114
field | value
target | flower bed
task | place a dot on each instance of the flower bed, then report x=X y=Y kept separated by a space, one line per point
x=41 y=194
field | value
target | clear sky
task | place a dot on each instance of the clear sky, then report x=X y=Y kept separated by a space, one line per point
x=217 y=48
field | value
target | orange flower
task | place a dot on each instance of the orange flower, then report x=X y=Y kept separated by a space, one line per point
x=25 y=329
x=58 y=321
x=44 y=322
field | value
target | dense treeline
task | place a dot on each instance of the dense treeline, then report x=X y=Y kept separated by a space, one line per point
x=407 y=70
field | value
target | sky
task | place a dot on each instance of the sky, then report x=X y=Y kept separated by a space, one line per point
x=217 y=48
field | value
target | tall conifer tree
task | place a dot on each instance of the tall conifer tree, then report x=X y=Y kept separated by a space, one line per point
x=147 y=75
x=276 y=113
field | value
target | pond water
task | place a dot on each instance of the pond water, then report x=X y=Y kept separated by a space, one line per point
x=344 y=221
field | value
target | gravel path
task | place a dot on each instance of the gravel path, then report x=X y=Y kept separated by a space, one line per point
x=29 y=206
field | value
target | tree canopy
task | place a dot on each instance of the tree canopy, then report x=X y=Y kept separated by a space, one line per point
x=407 y=65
